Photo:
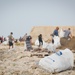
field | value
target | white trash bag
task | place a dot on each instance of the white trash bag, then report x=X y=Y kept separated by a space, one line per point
x=56 y=41
x=37 y=42
x=51 y=47
x=6 y=42
x=44 y=44
x=60 y=61
x=61 y=34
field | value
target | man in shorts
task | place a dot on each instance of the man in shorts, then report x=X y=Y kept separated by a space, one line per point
x=11 y=39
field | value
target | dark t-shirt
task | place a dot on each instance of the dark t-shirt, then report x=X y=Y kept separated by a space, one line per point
x=40 y=38
x=55 y=32
x=28 y=38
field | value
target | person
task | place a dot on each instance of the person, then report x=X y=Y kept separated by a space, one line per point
x=20 y=39
x=0 y=40
x=11 y=39
x=67 y=36
x=5 y=39
x=28 y=42
x=67 y=33
x=24 y=37
x=40 y=40
x=55 y=32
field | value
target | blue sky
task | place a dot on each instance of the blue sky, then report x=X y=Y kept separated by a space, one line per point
x=19 y=16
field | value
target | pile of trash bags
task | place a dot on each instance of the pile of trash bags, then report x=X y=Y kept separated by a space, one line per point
x=50 y=46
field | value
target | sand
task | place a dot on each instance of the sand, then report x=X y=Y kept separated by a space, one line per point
x=19 y=62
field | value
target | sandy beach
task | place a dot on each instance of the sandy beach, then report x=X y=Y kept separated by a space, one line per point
x=19 y=62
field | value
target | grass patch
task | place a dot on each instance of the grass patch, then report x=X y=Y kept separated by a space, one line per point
x=19 y=44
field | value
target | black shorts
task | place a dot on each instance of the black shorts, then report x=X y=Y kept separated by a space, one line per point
x=10 y=43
